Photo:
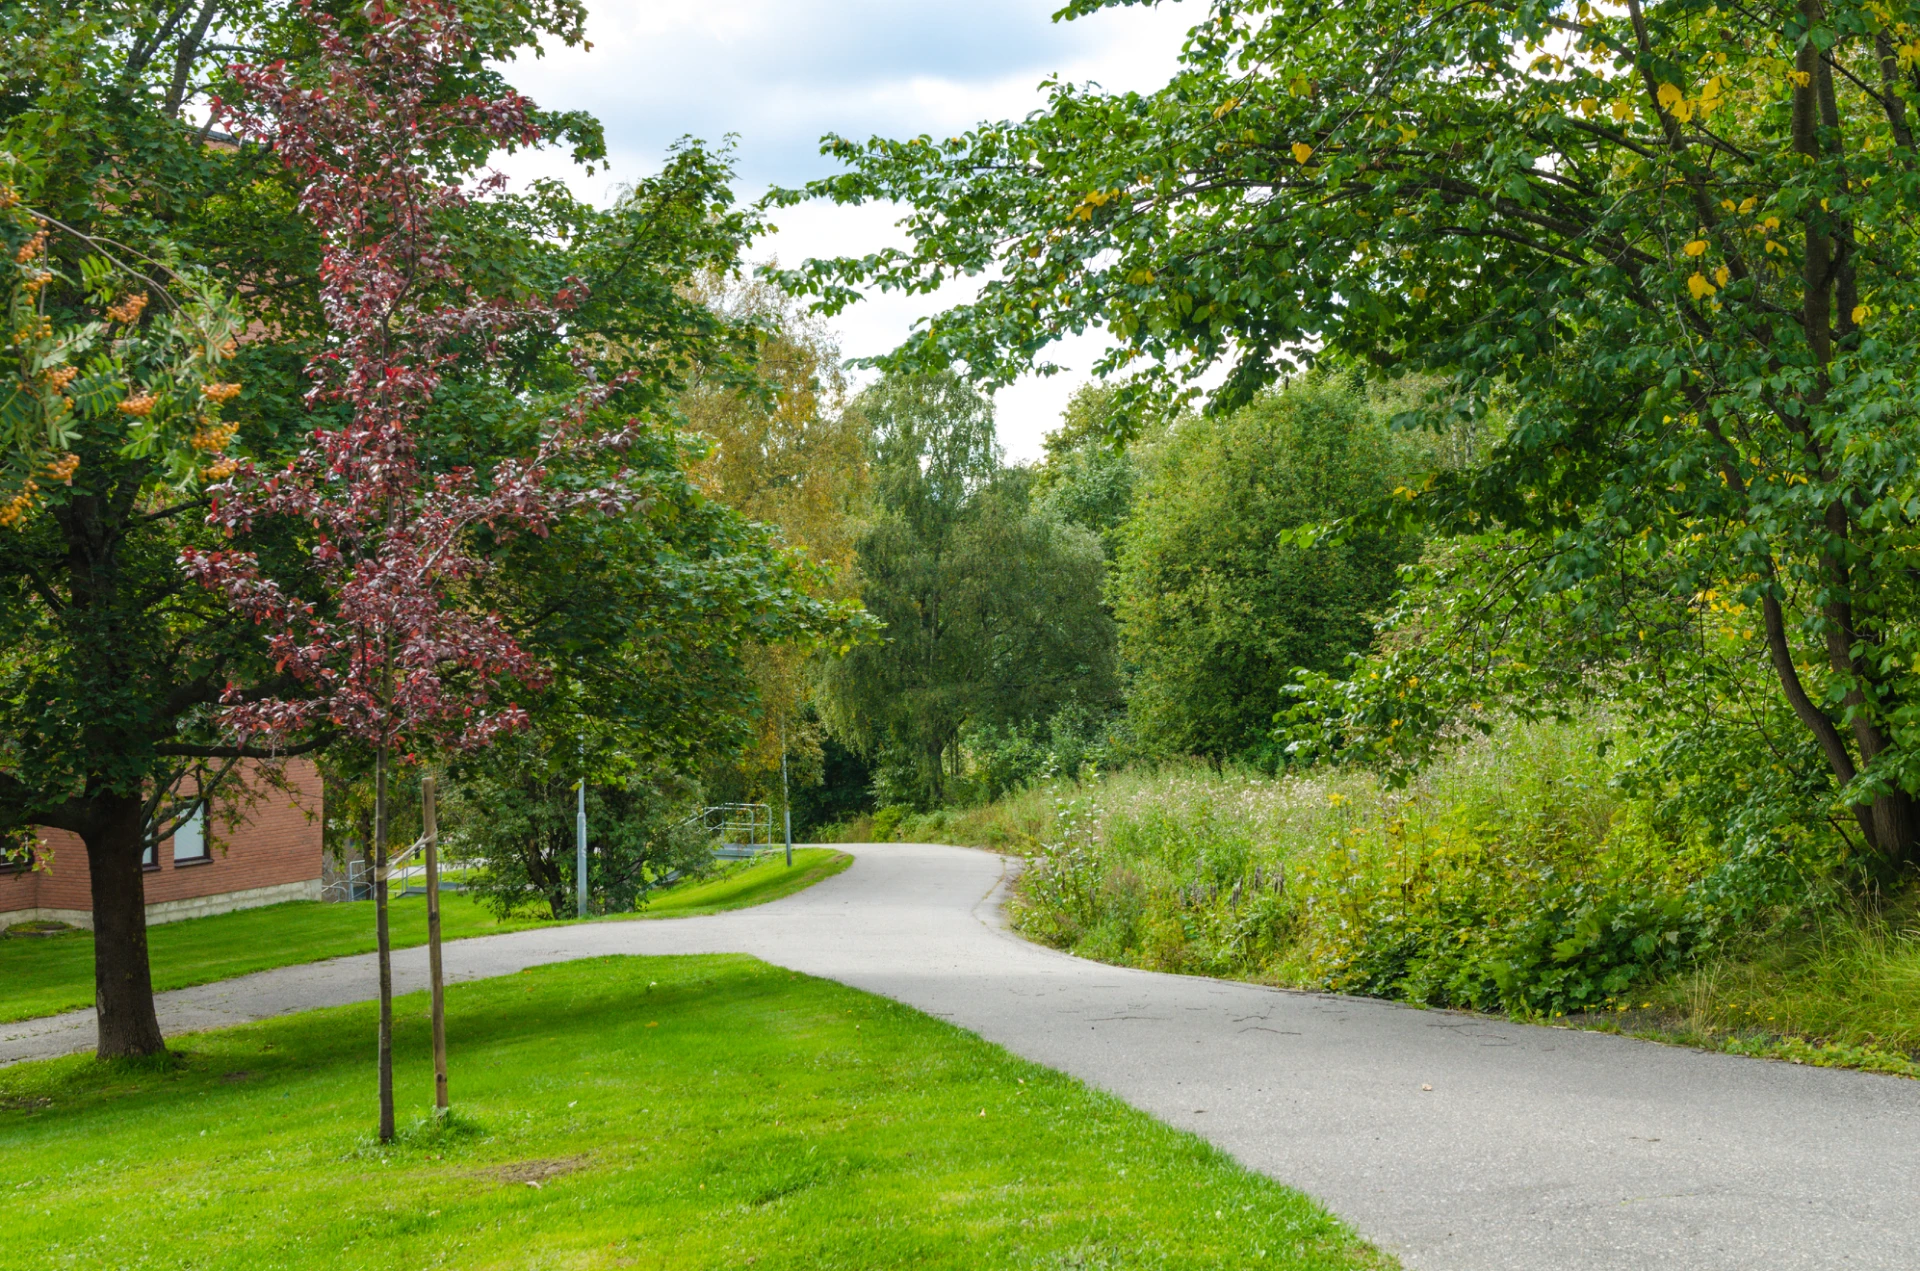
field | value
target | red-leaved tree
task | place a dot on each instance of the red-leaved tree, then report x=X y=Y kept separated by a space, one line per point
x=392 y=656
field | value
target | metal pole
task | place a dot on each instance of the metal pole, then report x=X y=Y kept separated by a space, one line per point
x=580 y=852
x=432 y=829
x=786 y=797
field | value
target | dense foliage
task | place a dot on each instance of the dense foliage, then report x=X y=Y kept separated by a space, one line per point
x=991 y=604
x=1218 y=605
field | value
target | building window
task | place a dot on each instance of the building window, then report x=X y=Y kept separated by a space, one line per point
x=190 y=840
x=150 y=859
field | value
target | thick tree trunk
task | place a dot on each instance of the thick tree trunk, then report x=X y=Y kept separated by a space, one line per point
x=122 y=980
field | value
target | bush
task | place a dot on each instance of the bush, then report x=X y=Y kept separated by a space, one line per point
x=1516 y=874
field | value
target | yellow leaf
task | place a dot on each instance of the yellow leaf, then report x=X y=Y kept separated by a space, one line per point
x=1699 y=286
x=1860 y=314
x=1669 y=96
x=1622 y=110
x=1721 y=275
x=1588 y=105
x=1698 y=247
x=1747 y=204
x=1419 y=293
x=1140 y=277
x=1800 y=78
x=1302 y=152
x=1225 y=106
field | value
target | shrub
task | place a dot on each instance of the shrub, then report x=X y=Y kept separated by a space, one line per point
x=1518 y=873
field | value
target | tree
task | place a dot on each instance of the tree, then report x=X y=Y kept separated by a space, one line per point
x=1679 y=238
x=992 y=607
x=512 y=816
x=787 y=454
x=392 y=655
x=1087 y=479
x=1218 y=604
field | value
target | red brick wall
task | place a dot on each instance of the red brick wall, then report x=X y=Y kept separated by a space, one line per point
x=277 y=840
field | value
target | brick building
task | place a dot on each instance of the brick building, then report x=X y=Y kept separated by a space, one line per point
x=273 y=854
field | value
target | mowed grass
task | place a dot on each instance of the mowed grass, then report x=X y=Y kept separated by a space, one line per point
x=694 y=1112
x=44 y=975
x=747 y=883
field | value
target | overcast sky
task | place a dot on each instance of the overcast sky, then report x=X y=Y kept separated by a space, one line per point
x=780 y=73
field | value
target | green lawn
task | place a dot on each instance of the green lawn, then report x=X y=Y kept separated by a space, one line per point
x=47 y=975
x=709 y=1112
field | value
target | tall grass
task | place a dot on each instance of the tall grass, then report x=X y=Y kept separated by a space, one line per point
x=1517 y=874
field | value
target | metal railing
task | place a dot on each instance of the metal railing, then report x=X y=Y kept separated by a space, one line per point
x=740 y=830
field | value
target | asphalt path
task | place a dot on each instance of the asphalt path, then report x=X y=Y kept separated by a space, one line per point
x=1455 y=1141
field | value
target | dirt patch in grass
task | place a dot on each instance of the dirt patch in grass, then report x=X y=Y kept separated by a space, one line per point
x=534 y=1173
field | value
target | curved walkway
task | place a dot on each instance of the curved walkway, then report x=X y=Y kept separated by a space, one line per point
x=1454 y=1141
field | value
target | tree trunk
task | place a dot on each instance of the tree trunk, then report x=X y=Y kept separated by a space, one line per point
x=122 y=980
x=382 y=943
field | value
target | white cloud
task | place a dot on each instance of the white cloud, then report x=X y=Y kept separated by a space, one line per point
x=781 y=73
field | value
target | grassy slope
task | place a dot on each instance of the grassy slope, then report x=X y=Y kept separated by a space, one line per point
x=676 y=1112
x=46 y=975
x=755 y=883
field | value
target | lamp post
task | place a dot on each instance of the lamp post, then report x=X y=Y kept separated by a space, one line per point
x=580 y=851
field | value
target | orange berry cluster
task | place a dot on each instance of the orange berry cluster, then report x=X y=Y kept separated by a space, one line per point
x=127 y=312
x=214 y=436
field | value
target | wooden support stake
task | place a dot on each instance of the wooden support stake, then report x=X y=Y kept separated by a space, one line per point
x=432 y=833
